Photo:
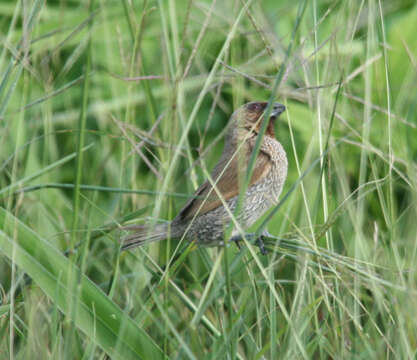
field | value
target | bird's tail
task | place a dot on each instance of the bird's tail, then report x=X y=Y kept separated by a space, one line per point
x=144 y=234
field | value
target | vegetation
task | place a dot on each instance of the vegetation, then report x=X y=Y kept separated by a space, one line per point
x=113 y=112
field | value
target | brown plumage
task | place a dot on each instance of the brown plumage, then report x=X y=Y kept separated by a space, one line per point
x=204 y=217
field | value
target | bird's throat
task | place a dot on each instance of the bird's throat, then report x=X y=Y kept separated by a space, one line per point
x=270 y=130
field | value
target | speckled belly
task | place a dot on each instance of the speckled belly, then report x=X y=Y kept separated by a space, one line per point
x=208 y=229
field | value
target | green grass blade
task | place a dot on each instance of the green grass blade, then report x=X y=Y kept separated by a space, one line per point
x=41 y=172
x=97 y=316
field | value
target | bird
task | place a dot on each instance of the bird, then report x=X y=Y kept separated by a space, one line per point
x=206 y=215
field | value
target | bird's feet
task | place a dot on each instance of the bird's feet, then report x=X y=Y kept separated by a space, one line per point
x=259 y=242
x=252 y=237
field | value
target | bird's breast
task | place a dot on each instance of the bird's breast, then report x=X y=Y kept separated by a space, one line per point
x=265 y=193
x=278 y=173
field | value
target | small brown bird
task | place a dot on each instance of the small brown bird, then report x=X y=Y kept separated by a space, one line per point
x=204 y=217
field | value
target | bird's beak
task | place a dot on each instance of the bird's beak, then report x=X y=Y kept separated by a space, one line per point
x=277 y=109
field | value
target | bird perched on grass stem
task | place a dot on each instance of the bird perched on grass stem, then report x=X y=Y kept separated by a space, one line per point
x=204 y=217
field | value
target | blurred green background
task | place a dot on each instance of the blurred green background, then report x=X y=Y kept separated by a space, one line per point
x=113 y=111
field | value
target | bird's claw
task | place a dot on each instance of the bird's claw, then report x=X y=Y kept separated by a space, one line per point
x=266 y=234
x=258 y=240
x=237 y=243
x=236 y=239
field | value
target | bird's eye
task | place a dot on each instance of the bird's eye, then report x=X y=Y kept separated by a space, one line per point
x=255 y=107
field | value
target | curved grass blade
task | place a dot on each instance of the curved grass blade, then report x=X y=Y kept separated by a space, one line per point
x=97 y=316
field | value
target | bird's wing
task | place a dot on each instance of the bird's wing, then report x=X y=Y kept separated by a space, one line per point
x=226 y=179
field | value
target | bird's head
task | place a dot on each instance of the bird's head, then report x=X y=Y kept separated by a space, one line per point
x=250 y=116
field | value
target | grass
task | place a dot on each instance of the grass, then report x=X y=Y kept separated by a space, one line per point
x=113 y=112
